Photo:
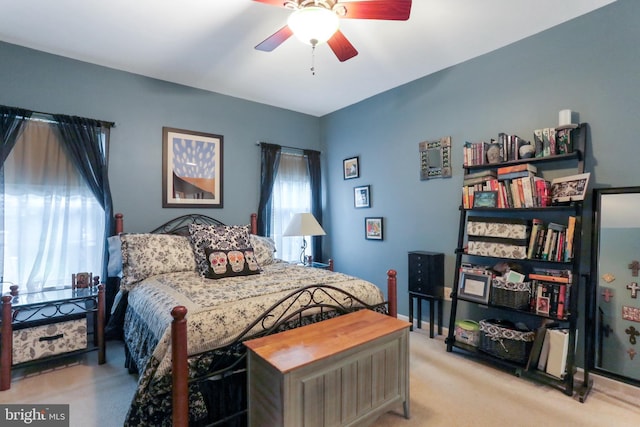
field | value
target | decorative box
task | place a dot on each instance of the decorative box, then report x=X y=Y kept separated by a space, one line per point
x=467 y=332
x=497 y=247
x=47 y=340
x=509 y=228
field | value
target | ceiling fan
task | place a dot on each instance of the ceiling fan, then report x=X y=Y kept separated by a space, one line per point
x=306 y=13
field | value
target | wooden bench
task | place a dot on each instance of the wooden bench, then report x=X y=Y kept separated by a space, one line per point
x=340 y=372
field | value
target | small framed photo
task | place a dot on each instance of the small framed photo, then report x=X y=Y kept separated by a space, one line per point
x=569 y=188
x=361 y=198
x=485 y=199
x=351 y=167
x=474 y=287
x=373 y=228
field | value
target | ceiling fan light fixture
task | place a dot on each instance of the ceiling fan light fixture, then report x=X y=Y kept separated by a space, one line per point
x=313 y=25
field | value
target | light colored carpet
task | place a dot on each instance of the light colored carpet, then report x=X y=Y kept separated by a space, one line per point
x=447 y=389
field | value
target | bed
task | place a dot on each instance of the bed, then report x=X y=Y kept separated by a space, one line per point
x=193 y=373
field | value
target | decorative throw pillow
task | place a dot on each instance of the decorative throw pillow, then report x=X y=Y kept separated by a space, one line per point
x=230 y=262
x=223 y=237
x=264 y=248
x=145 y=255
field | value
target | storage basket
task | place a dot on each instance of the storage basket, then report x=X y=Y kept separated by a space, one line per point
x=501 y=339
x=510 y=294
x=467 y=332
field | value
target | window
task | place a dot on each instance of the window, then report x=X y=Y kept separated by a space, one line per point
x=53 y=224
x=291 y=195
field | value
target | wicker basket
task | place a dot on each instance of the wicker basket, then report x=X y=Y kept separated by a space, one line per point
x=510 y=294
x=502 y=340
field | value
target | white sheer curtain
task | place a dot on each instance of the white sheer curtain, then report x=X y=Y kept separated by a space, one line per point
x=53 y=224
x=291 y=195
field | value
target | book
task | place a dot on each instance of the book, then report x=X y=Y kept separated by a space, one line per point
x=487 y=172
x=536 y=223
x=515 y=175
x=518 y=168
x=546 y=147
x=537 y=141
x=563 y=141
x=549 y=278
x=571 y=226
x=536 y=347
x=547 y=243
x=558 y=350
x=544 y=352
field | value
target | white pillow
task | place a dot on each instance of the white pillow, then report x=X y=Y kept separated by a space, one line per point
x=264 y=249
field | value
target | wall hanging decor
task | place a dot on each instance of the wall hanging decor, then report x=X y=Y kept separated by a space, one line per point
x=362 y=197
x=435 y=158
x=373 y=228
x=351 y=167
x=191 y=169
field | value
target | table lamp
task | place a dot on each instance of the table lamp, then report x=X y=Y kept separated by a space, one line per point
x=304 y=224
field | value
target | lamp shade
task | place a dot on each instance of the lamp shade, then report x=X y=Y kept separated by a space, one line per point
x=313 y=25
x=304 y=224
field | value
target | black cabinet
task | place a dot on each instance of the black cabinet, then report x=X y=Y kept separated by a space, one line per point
x=426 y=282
x=426 y=273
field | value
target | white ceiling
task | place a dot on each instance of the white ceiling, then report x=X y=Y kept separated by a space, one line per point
x=209 y=44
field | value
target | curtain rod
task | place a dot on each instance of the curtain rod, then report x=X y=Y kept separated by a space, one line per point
x=40 y=113
x=286 y=146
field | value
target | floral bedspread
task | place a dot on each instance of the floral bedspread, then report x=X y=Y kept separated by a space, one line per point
x=218 y=312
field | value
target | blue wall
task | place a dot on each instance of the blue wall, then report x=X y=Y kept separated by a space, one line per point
x=589 y=65
x=140 y=107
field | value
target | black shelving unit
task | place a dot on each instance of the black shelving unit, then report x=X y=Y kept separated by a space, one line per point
x=567 y=383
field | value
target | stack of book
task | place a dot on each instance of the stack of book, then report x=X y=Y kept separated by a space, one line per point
x=552 y=141
x=550 y=292
x=516 y=186
x=550 y=350
x=551 y=241
x=506 y=148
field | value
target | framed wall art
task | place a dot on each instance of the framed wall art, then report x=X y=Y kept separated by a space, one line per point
x=351 y=167
x=373 y=228
x=361 y=196
x=191 y=169
x=435 y=158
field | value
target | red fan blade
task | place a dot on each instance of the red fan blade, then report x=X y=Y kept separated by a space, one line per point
x=393 y=10
x=275 y=40
x=342 y=47
x=272 y=2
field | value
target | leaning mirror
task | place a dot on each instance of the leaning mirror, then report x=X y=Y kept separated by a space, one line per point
x=615 y=281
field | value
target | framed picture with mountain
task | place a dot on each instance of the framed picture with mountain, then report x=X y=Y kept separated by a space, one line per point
x=191 y=169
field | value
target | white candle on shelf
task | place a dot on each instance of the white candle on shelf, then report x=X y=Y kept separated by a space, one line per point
x=564 y=118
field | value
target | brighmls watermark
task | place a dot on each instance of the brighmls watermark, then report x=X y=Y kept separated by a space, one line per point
x=34 y=415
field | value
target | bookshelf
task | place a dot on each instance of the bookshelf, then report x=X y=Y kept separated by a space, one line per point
x=518 y=264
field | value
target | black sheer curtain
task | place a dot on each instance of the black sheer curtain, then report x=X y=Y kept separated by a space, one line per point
x=11 y=125
x=315 y=181
x=83 y=142
x=270 y=160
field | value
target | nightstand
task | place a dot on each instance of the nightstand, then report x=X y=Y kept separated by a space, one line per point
x=50 y=324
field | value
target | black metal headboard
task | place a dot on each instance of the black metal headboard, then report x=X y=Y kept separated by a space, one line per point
x=180 y=225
